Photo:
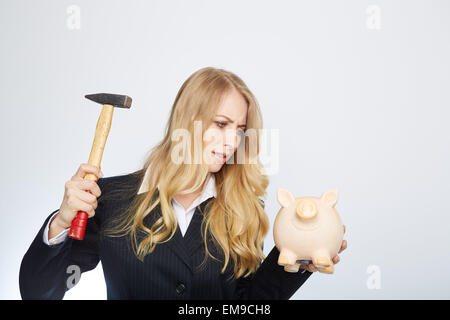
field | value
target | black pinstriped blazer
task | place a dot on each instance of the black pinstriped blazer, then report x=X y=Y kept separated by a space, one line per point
x=167 y=273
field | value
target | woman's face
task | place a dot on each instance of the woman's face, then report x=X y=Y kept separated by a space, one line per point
x=224 y=134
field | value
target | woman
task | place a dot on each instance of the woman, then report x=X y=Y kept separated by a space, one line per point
x=189 y=225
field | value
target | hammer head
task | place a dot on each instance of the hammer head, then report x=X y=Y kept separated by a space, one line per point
x=117 y=100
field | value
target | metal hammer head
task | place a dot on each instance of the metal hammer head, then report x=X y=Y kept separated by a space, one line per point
x=117 y=100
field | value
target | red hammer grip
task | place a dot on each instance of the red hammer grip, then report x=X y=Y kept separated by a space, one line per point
x=78 y=226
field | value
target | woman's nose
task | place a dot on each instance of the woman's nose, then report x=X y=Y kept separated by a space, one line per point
x=232 y=139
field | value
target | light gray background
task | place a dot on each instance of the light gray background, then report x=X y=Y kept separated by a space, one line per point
x=360 y=109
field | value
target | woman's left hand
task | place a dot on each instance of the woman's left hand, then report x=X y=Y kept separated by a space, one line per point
x=312 y=268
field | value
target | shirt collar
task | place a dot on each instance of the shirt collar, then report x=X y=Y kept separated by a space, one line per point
x=209 y=190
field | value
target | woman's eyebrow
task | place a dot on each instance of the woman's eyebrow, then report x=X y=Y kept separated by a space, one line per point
x=221 y=115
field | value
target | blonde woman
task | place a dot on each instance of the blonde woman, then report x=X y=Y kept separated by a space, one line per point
x=189 y=225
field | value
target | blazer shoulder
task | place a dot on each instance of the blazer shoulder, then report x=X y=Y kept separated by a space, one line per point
x=120 y=186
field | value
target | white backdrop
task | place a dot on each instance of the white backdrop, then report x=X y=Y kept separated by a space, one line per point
x=359 y=91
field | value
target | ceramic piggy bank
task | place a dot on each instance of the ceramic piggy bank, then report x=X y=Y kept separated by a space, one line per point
x=306 y=230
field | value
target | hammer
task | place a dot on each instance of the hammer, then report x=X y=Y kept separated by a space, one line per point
x=109 y=101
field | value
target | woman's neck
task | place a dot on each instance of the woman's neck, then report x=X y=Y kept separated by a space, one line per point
x=187 y=199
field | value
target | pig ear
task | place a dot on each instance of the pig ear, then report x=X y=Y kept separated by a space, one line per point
x=285 y=197
x=330 y=197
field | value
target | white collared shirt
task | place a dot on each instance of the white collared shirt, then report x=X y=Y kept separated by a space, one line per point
x=184 y=217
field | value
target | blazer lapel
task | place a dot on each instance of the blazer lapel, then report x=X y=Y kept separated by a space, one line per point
x=187 y=246
x=184 y=247
x=177 y=244
x=193 y=237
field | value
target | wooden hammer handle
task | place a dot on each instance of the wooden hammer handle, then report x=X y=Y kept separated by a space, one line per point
x=78 y=226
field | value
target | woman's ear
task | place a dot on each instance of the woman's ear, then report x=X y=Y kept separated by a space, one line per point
x=285 y=197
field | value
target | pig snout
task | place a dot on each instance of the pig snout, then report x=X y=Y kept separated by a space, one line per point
x=306 y=209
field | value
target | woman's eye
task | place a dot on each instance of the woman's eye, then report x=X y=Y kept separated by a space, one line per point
x=220 y=124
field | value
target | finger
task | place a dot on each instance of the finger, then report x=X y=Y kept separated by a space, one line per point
x=92 y=186
x=304 y=267
x=86 y=197
x=335 y=259
x=81 y=205
x=86 y=168
x=312 y=268
x=343 y=246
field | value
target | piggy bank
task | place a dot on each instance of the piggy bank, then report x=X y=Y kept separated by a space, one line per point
x=306 y=230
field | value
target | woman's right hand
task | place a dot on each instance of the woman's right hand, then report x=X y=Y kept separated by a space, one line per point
x=76 y=198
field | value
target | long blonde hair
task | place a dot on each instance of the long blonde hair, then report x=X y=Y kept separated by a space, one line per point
x=235 y=218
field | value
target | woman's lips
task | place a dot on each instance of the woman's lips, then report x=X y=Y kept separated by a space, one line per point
x=220 y=156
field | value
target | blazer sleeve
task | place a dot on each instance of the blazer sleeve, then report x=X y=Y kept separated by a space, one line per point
x=47 y=272
x=270 y=281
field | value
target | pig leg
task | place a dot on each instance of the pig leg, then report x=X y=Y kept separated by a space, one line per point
x=287 y=257
x=322 y=259
x=292 y=268
x=329 y=270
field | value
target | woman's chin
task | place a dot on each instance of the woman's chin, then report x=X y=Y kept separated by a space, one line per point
x=214 y=164
x=215 y=167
